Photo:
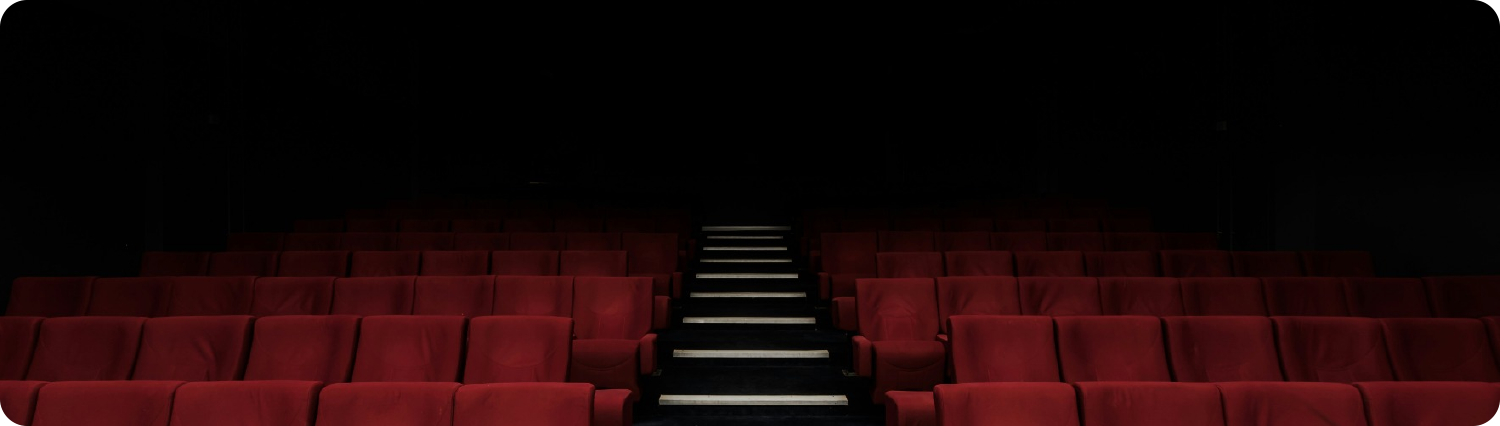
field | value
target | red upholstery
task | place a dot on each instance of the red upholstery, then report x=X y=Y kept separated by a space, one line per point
x=1064 y=225
x=113 y=403
x=1075 y=241
x=386 y=404
x=313 y=241
x=1279 y=404
x=846 y=256
x=371 y=225
x=976 y=296
x=244 y=263
x=292 y=296
x=654 y=255
x=1428 y=403
x=1059 y=296
x=486 y=241
x=1222 y=349
x=130 y=296
x=966 y=224
x=1049 y=264
x=898 y=326
x=1189 y=241
x=1386 y=297
x=477 y=225
x=331 y=263
x=1338 y=264
x=173 y=263
x=518 y=348
x=539 y=404
x=49 y=296
x=1196 y=263
x=1121 y=264
x=1310 y=296
x=1140 y=296
x=1021 y=225
x=533 y=295
x=1223 y=296
x=208 y=348
x=255 y=241
x=537 y=240
x=364 y=241
x=424 y=241
x=1328 y=349
x=85 y=348
x=1123 y=348
x=1266 y=264
x=962 y=241
x=407 y=226
x=211 y=296
x=373 y=295
x=17 y=340
x=409 y=348
x=978 y=263
x=1439 y=349
x=1132 y=241
x=524 y=262
x=909 y=264
x=1149 y=404
x=612 y=320
x=596 y=263
x=912 y=241
x=910 y=408
x=384 y=263
x=18 y=399
x=317 y=225
x=1018 y=241
x=994 y=348
x=468 y=295
x=1465 y=296
x=1032 y=404
x=303 y=347
x=455 y=263
x=517 y=224
x=254 y=403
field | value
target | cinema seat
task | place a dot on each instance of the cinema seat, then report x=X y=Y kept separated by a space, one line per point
x=18 y=399
x=173 y=263
x=1222 y=349
x=533 y=295
x=208 y=348
x=1121 y=264
x=1018 y=241
x=1309 y=296
x=243 y=263
x=1273 y=403
x=612 y=319
x=384 y=263
x=1140 y=296
x=49 y=296
x=654 y=255
x=18 y=337
x=466 y=295
x=593 y=263
x=1428 y=403
x=1149 y=404
x=976 y=296
x=898 y=326
x=409 y=348
x=1122 y=348
x=1329 y=349
x=909 y=264
x=487 y=241
x=424 y=241
x=1223 y=296
x=518 y=348
x=1464 y=296
x=978 y=263
x=1338 y=264
x=328 y=263
x=386 y=404
x=1049 y=264
x=524 y=262
x=303 y=347
x=1439 y=349
x=1003 y=348
x=130 y=296
x=193 y=296
x=1132 y=241
x=253 y=403
x=1196 y=263
x=292 y=296
x=1266 y=263
x=85 y=348
x=1387 y=297
x=1059 y=296
x=1032 y=404
x=846 y=256
x=113 y=403
x=255 y=241
x=538 y=404
x=373 y=295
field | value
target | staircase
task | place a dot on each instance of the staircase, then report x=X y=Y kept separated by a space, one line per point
x=750 y=342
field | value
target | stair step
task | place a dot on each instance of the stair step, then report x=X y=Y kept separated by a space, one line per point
x=768 y=260
x=747 y=294
x=744 y=248
x=749 y=353
x=743 y=237
x=744 y=228
x=754 y=400
x=749 y=320
x=746 y=275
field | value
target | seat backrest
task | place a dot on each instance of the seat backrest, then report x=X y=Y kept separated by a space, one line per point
x=518 y=348
x=313 y=241
x=1121 y=264
x=211 y=296
x=49 y=296
x=978 y=263
x=210 y=348
x=533 y=295
x=384 y=263
x=610 y=307
x=1049 y=264
x=1332 y=349
x=1272 y=403
x=1059 y=296
x=409 y=348
x=1196 y=263
x=1034 y=404
x=909 y=264
x=539 y=404
x=1223 y=296
x=524 y=262
x=455 y=262
x=173 y=263
x=597 y=263
x=326 y=263
x=1140 y=296
x=1222 y=349
x=115 y=403
x=292 y=296
x=1009 y=348
x=849 y=252
x=373 y=295
x=962 y=241
x=1464 y=296
x=976 y=296
x=376 y=403
x=466 y=295
x=1338 y=264
x=1429 y=403
x=253 y=403
x=1387 y=297
x=1305 y=296
x=17 y=341
x=897 y=308
x=1439 y=349
x=650 y=253
x=85 y=348
x=303 y=347
x=244 y=263
x=130 y=296
x=1122 y=348
x=1149 y=404
x=1266 y=264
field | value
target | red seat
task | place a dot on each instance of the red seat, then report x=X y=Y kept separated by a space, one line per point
x=364 y=241
x=533 y=295
x=976 y=296
x=1276 y=404
x=1020 y=225
x=422 y=225
x=1329 y=349
x=1266 y=264
x=211 y=348
x=409 y=348
x=424 y=241
x=846 y=256
x=654 y=255
x=1049 y=264
x=373 y=295
x=537 y=240
x=1308 y=296
x=114 y=403
x=477 y=225
x=244 y=263
x=1465 y=296
x=1123 y=348
x=1075 y=241
x=211 y=296
x=591 y=241
x=468 y=295
x=1338 y=264
x=897 y=344
x=1140 y=296
x=1149 y=404
x=254 y=403
x=313 y=241
x=384 y=263
x=371 y=225
x=1032 y=404
x=18 y=399
x=255 y=241
x=17 y=341
x=1387 y=297
x=1018 y=241
x=995 y=348
x=130 y=296
x=612 y=319
x=1196 y=263
x=524 y=262
x=1189 y=240
x=1439 y=349
x=978 y=263
x=518 y=348
x=386 y=404
x=85 y=348
x=292 y=296
x=331 y=263
x=593 y=263
x=1430 y=403
x=1059 y=296
x=1121 y=264
x=487 y=241
x=455 y=263
x=962 y=241
x=173 y=263
x=303 y=347
x=1222 y=349
x=538 y=404
x=891 y=241
x=909 y=264
x=49 y=296
x=1223 y=296
x=1132 y=241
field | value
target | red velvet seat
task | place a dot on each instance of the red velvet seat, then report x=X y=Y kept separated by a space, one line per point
x=1309 y=296
x=329 y=263
x=363 y=241
x=539 y=404
x=1222 y=349
x=386 y=404
x=173 y=263
x=1338 y=264
x=244 y=263
x=467 y=295
x=1075 y=241
x=905 y=241
x=1149 y=404
x=373 y=295
x=303 y=347
x=255 y=241
x=846 y=256
x=978 y=263
x=1121 y=264
x=253 y=403
x=409 y=348
x=1266 y=264
x=976 y=296
x=612 y=319
x=211 y=296
x=1018 y=241
x=591 y=241
x=898 y=325
x=1429 y=403
x=1329 y=349
x=1049 y=264
x=1223 y=296
x=85 y=348
x=486 y=241
x=1140 y=296
x=1059 y=296
x=537 y=240
x=18 y=399
x=313 y=241
x=1277 y=404
x=996 y=348
x=18 y=337
x=533 y=295
x=1123 y=348
x=210 y=348
x=113 y=403
x=654 y=255
x=49 y=296
x=1132 y=241
x=1464 y=296
x=1196 y=263
x=1387 y=297
x=909 y=264
x=455 y=263
x=962 y=241
x=292 y=296
x=130 y=296
x=518 y=348
x=384 y=263
x=1439 y=349
x=594 y=263
x=524 y=262
x=1033 y=404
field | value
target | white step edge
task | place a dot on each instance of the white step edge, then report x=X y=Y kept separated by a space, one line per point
x=754 y=400
x=742 y=228
x=745 y=353
x=745 y=248
x=744 y=261
x=747 y=294
x=743 y=237
x=745 y=275
x=749 y=320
